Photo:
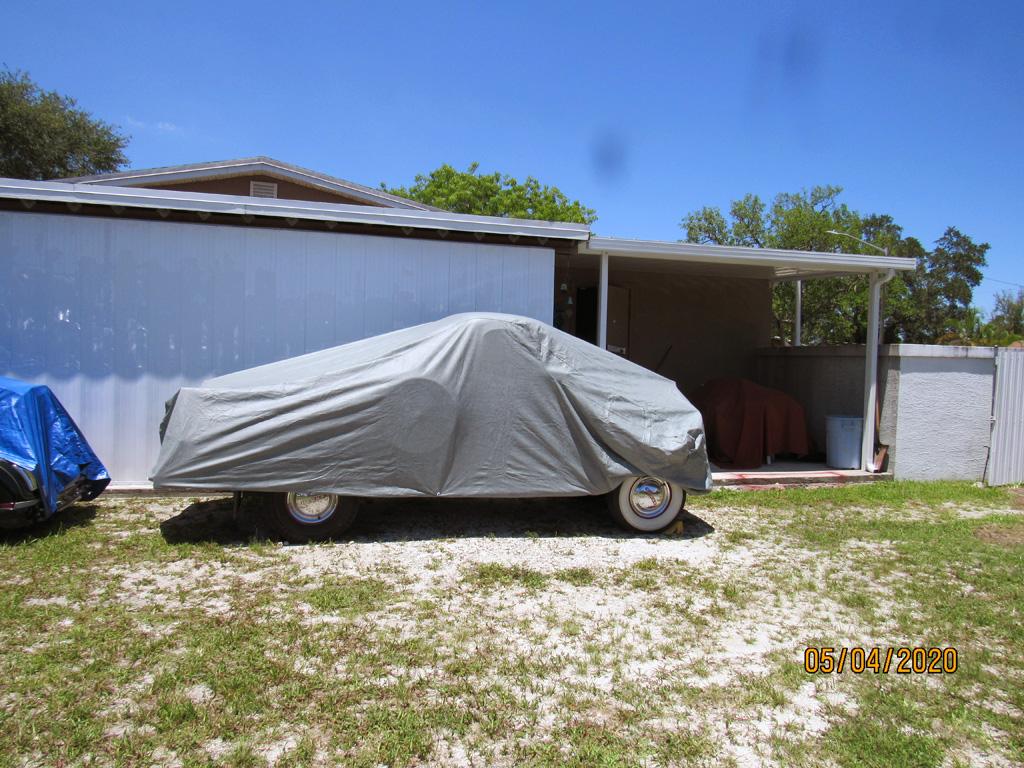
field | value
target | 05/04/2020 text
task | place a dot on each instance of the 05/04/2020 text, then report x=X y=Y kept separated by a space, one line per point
x=904 y=661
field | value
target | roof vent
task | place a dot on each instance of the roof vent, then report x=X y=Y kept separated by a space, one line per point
x=262 y=189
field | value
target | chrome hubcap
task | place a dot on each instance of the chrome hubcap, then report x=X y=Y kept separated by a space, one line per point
x=312 y=508
x=649 y=497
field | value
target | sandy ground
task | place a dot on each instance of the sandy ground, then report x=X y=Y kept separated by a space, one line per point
x=699 y=620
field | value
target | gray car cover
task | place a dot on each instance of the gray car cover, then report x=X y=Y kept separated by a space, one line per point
x=472 y=405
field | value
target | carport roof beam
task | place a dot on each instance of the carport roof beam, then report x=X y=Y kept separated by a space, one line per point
x=785 y=264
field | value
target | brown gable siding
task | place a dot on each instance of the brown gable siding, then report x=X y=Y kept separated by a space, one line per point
x=239 y=185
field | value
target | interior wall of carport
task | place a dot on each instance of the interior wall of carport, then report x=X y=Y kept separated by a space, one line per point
x=688 y=327
x=829 y=381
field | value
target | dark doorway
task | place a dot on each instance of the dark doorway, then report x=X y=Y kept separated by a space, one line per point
x=586 y=314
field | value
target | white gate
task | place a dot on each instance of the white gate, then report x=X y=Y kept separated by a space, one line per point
x=1006 y=456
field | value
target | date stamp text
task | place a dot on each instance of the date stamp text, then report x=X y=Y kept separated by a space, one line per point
x=903 y=661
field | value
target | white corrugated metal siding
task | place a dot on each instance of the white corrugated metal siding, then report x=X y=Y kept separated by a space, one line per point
x=115 y=315
x=1006 y=456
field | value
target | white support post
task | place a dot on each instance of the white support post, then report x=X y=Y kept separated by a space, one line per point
x=798 y=319
x=867 y=450
x=602 y=304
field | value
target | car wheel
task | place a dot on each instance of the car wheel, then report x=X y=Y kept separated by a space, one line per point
x=646 y=503
x=304 y=517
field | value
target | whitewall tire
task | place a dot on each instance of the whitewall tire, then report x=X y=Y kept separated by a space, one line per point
x=646 y=503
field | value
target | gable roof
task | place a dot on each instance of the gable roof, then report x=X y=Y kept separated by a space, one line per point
x=178 y=174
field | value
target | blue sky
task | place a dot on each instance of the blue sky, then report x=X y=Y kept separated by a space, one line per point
x=642 y=111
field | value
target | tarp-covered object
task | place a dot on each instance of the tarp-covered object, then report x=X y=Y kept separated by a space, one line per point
x=38 y=435
x=471 y=405
x=746 y=423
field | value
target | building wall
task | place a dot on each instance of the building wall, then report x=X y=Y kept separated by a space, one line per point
x=689 y=328
x=115 y=315
x=889 y=403
x=707 y=326
x=239 y=185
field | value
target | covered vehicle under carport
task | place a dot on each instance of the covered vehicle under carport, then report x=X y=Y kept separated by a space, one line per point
x=694 y=312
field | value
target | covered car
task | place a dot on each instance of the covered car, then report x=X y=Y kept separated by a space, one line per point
x=474 y=405
x=45 y=461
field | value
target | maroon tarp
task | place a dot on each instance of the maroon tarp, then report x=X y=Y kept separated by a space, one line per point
x=746 y=422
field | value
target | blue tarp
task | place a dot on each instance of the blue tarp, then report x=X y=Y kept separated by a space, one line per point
x=38 y=435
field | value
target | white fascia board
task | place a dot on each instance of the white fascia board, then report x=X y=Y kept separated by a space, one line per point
x=101 y=194
x=788 y=264
x=234 y=168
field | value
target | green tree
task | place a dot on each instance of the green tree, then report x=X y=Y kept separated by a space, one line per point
x=798 y=221
x=942 y=286
x=972 y=330
x=493 y=194
x=43 y=135
x=901 y=308
x=1008 y=314
x=923 y=306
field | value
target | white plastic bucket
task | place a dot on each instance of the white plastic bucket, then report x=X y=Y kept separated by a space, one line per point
x=842 y=441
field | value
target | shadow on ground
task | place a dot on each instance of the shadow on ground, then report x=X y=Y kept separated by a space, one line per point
x=74 y=516
x=420 y=519
x=208 y=521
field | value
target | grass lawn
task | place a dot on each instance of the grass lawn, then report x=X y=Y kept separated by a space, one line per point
x=153 y=631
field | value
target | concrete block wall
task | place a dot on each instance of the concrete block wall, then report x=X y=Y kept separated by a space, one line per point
x=936 y=401
x=826 y=381
x=943 y=420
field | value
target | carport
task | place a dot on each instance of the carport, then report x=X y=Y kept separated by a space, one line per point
x=693 y=312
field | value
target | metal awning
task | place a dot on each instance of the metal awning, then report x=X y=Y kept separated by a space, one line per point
x=773 y=263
